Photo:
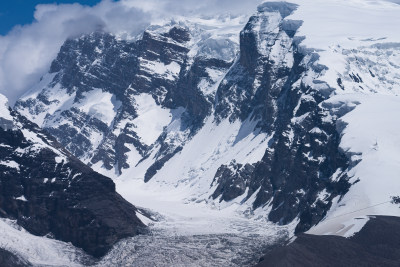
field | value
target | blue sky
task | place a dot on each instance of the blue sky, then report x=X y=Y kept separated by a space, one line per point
x=20 y=12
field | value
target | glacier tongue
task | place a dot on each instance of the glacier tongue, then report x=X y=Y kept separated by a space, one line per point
x=193 y=236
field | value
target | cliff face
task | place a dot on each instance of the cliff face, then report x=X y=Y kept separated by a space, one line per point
x=50 y=192
x=267 y=84
x=98 y=88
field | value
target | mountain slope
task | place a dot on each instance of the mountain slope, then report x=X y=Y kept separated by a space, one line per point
x=50 y=192
x=228 y=114
x=104 y=91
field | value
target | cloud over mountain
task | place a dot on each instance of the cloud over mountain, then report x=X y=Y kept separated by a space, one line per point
x=27 y=51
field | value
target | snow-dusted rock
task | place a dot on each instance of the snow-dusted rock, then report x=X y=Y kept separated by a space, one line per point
x=48 y=191
x=220 y=110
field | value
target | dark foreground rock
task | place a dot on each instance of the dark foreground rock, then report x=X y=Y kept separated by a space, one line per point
x=49 y=191
x=9 y=259
x=377 y=244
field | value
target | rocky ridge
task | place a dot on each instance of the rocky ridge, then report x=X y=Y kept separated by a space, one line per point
x=48 y=191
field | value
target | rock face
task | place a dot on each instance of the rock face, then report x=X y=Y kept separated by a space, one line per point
x=98 y=87
x=377 y=244
x=9 y=259
x=266 y=84
x=232 y=181
x=143 y=108
x=49 y=191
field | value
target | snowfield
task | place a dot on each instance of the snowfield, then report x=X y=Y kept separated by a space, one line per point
x=371 y=138
x=360 y=44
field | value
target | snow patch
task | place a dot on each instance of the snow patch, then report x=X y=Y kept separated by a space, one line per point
x=151 y=118
x=11 y=164
x=170 y=71
x=100 y=105
x=22 y=198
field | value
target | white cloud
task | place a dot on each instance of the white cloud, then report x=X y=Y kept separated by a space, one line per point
x=27 y=51
x=210 y=7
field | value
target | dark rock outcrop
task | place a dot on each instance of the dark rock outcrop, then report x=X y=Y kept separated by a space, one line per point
x=377 y=244
x=49 y=191
x=9 y=259
x=124 y=69
x=265 y=85
x=232 y=180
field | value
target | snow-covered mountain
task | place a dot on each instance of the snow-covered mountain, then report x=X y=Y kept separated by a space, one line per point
x=290 y=115
x=49 y=192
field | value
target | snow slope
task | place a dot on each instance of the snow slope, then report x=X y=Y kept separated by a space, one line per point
x=40 y=251
x=360 y=44
x=351 y=23
x=151 y=118
x=372 y=141
x=360 y=29
x=192 y=170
